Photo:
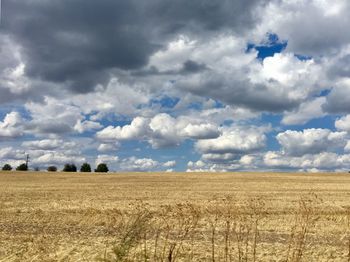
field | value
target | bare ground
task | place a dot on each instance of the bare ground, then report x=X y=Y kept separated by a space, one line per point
x=207 y=217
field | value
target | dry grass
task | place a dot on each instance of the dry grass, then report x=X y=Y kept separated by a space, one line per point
x=174 y=217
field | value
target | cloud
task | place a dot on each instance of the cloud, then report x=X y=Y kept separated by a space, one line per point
x=80 y=47
x=204 y=166
x=202 y=76
x=233 y=150
x=105 y=148
x=280 y=83
x=133 y=164
x=137 y=129
x=310 y=141
x=86 y=42
x=307 y=111
x=52 y=116
x=116 y=97
x=202 y=50
x=138 y=164
x=235 y=141
x=107 y=159
x=12 y=156
x=11 y=126
x=164 y=133
x=219 y=158
x=201 y=131
x=57 y=158
x=160 y=131
x=171 y=163
x=312 y=28
x=49 y=144
x=198 y=166
x=207 y=15
x=300 y=150
x=247 y=160
x=84 y=126
x=14 y=85
x=338 y=99
x=227 y=113
x=347 y=146
x=12 y=153
x=42 y=154
x=168 y=131
x=323 y=161
x=343 y=123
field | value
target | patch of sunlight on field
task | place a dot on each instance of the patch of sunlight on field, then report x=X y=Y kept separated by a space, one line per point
x=174 y=217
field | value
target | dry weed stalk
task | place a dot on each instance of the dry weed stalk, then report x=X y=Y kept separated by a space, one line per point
x=212 y=213
x=347 y=234
x=235 y=226
x=258 y=212
x=229 y=217
x=133 y=232
x=178 y=225
x=247 y=228
x=304 y=220
x=348 y=230
x=231 y=226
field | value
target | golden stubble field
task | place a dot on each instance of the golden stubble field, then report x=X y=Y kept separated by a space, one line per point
x=174 y=217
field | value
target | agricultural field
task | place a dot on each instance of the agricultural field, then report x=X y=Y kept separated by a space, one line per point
x=174 y=217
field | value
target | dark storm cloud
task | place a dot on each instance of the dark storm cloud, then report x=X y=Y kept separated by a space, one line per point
x=236 y=91
x=188 y=67
x=206 y=14
x=341 y=68
x=49 y=127
x=79 y=42
x=338 y=100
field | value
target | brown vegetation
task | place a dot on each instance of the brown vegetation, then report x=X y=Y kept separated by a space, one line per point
x=174 y=217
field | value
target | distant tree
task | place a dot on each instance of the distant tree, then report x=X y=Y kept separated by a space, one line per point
x=52 y=169
x=37 y=169
x=22 y=167
x=6 y=167
x=69 y=168
x=73 y=168
x=85 y=167
x=102 y=168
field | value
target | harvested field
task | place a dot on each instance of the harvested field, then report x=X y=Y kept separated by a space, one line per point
x=174 y=217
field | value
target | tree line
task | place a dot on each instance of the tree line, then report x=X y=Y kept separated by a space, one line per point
x=86 y=167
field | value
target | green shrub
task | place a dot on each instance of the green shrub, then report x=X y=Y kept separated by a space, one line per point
x=7 y=167
x=22 y=167
x=85 y=168
x=102 y=168
x=52 y=169
x=69 y=168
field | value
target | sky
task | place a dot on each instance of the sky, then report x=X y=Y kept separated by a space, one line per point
x=176 y=85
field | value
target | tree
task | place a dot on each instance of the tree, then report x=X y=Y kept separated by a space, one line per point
x=22 y=167
x=69 y=168
x=102 y=168
x=52 y=169
x=6 y=167
x=85 y=167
